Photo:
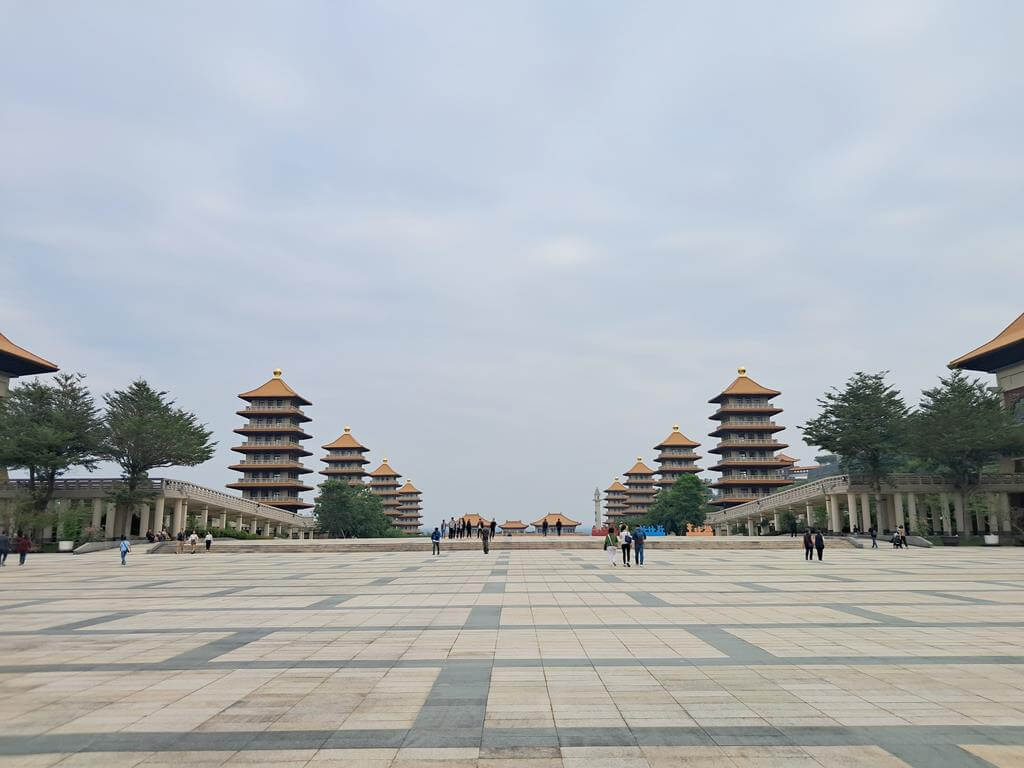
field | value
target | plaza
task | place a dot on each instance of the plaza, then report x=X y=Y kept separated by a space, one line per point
x=520 y=658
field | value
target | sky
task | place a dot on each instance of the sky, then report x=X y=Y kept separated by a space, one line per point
x=509 y=243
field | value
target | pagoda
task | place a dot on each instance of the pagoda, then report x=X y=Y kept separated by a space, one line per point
x=640 y=489
x=384 y=483
x=676 y=458
x=746 y=446
x=345 y=459
x=409 y=507
x=272 y=450
x=614 y=501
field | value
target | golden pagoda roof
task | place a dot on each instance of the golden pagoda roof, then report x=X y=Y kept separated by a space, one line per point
x=475 y=519
x=384 y=470
x=615 y=486
x=346 y=441
x=676 y=438
x=744 y=385
x=20 y=362
x=275 y=387
x=785 y=458
x=640 y=468
x=553 y=520
x=513 y=524
x=409 y=488
x=1005 y=349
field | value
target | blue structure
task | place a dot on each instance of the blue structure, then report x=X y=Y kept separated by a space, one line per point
x=651 y=530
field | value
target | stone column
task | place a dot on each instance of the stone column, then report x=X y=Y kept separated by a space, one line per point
x=897 y=500
x=1004 y=512
x=97 y=513
x=993 y=505
x=835 y=516
x=865 y=512
x=206 y=517
x=108 y=529
x=851 y=510
x=223 y=519
x=809 y=514
x=911 y=512
x=266 y=529
x=778 y=523
x=750 y=526
x=144 y=520
x=158 y=514
x=947 y=529
x=179 y=517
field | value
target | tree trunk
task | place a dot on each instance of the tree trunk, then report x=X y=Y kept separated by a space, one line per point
x=960 y=509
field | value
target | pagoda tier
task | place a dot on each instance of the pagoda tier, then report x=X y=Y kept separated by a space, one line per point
x=345 y=459
x=749 y=465
x=614 y=501
x=676 y=458
x=409 y=506
x=640 y=489
x=271 y=466
x=384 y=483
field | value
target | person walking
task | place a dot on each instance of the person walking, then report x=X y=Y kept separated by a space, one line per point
x=626 y=541
x=792 y=528
x=558 y=527
x=193 y=542
x=874 y=537
x=5 y=547
x=485 y=537
x=435 y=540
x=808 y=545
x=639 y=537
x=125 y=547
x=179 y=547
x=611 y=545
x=24 y=546
x=544 y=528
x=494 y=527
x=208 y=540
x=819 y=544
x=903 y=537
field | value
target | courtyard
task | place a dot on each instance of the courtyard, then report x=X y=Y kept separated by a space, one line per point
x=520 y=658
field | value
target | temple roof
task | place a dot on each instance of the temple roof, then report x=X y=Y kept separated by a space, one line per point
x=553 y=519
x=409 y=488
x=475 y=519
x=676 y=438
x=744 y=385
x=640 y=468
x=784 y=457
x=1004 y=350
x=384 y=470
x=275 y=387
x=615 y=486
x=20 y=362
x=517 y=524
x=346 y=441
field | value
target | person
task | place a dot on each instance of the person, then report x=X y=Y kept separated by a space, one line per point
x=485 y=536
x=494 y=526
x=611 y=545
x=193 y=541
x=626 y=540
x=209 y=540
x=23 y=545
x=180 y=546
x=792 y=528
x=639 y=537
x=874 y=537
x=903 y=537
x=150 y=536
x=558 y=527
x=544 y=527
x=435 y=539
x=125 y=548
x=808 y=545
x=5 y=547
x=819 y=544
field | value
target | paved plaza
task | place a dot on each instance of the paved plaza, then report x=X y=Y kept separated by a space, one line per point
x=521 y=658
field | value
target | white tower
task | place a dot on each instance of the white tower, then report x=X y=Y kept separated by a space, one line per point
x=597 y=508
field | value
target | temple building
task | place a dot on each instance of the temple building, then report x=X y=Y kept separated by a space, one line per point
x=345 y=459
x=676 y=458
x=640 y=489
x=746 y=445
x=568 y=525
x=513 y=528
x=271 y=465
x=614 y=501
x=409 y=515
x=384 y=483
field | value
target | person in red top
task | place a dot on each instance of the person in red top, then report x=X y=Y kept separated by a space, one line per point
x=24 y=546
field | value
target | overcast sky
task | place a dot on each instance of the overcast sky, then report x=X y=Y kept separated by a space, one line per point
x=511 y=244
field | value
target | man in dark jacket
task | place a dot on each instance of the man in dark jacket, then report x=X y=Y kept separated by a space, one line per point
x=558 y=526
x=494 y=525
x=435 y=539
x=808 y=545
x=819 y=543
x=485 y=535
x=639 y=537
x=544 y=528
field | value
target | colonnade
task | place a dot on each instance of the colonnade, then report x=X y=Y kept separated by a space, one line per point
x=886 y=512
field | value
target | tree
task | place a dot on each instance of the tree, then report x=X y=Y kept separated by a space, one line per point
x=961 y=426
x=46 y=428
x=351 y=511
x=681 y=503
x=144 y=431
x=865 y=424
